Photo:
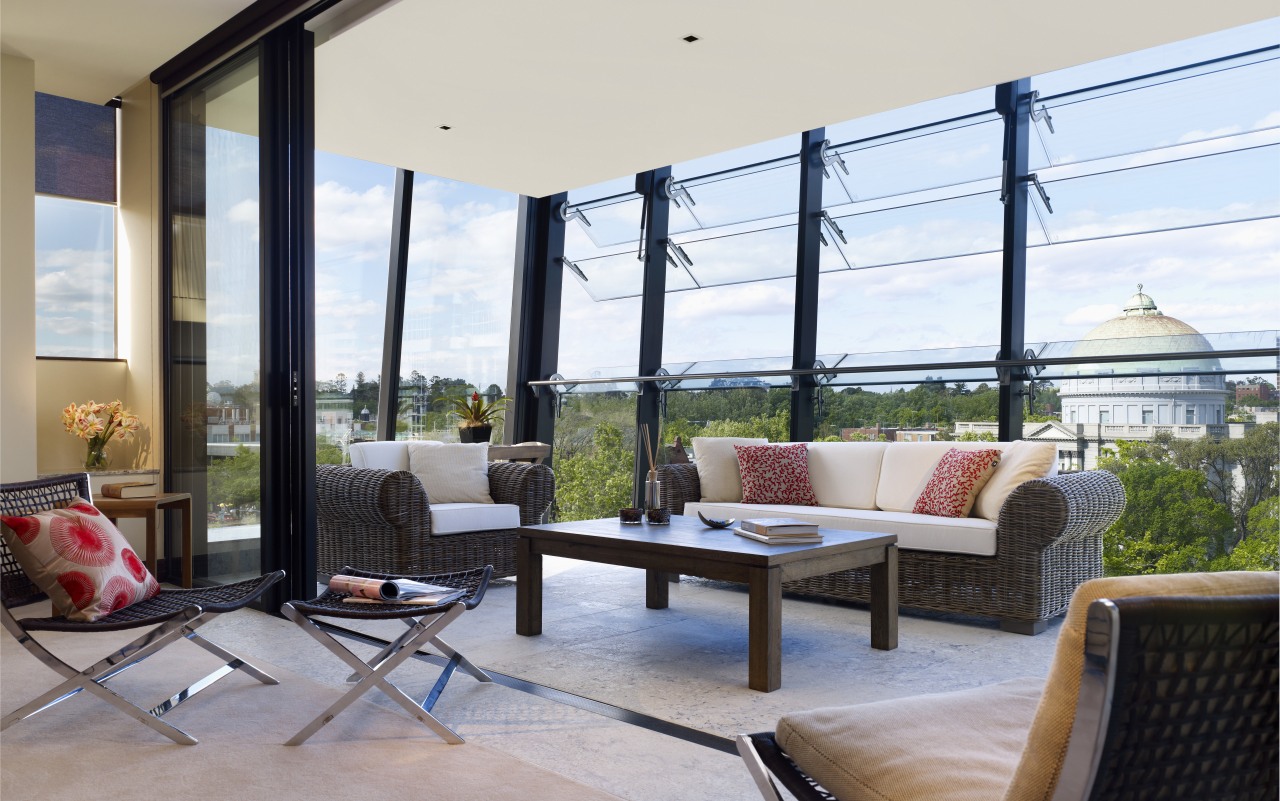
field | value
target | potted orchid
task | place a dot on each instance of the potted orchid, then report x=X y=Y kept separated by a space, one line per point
x=476 y=416
x=98 y=424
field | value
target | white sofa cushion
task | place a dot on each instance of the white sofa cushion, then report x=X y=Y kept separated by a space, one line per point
x=908 y=466
x=383 y=455
x=1021 y=461
x=717 y=465
x=452 y=472
x=846 y=474
x=968 y=535
x=459 y=518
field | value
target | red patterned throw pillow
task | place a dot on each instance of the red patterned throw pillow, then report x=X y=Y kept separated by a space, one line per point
x=80 y=560
x=956 y=482
x=775 y=474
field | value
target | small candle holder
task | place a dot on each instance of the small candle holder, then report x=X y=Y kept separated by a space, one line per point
x=658 y=517
x=631 y=516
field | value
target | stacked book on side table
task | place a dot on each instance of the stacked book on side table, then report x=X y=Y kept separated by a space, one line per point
x=130 y=489
x=779 y=531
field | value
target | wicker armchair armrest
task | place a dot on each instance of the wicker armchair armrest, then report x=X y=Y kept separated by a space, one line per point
x=679 y=486
x=369 y=517
x=370 y=496
x=532 y=487
x=1047 y=511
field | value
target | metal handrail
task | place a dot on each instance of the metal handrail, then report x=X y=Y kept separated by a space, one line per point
x=997 y=364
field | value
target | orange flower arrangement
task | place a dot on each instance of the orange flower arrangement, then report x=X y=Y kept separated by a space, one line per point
x=98 y=424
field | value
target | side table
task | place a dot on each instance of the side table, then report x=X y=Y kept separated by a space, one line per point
x=146 y=508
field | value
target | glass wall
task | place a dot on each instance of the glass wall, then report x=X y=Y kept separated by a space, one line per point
x=1153 y=217
x=353 y=251
x=457 y=315
x=214 y=352
x=731 y=286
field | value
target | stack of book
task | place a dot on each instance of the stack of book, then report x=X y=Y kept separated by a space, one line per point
x=779 y=531
x=129 y=489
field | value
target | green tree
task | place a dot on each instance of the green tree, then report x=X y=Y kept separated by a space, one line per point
x=236 y=481
x=595 y=481
x=1261 y=549
x=328 y=451
x=1170 y=524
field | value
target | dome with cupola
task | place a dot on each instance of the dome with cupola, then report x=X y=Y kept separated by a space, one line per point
x=1169 y=391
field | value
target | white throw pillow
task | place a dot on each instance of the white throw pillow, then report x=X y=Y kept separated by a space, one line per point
x=1021 y=461
x=452 y=472
x=717 y=464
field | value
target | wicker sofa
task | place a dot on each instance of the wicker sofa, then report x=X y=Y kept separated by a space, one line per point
x=381 y=519
x=1020 y=568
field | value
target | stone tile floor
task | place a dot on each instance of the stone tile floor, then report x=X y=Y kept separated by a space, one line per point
x=686 y=664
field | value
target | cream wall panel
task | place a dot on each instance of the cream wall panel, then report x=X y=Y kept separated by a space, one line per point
x=63 y=381
x=138 y=263
x=18 y=402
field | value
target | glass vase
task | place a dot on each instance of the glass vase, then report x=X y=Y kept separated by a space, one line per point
x=96 y=457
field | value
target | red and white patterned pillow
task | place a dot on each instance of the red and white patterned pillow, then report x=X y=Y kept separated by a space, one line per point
x=775 y=474
x=956 y=482
x=80 y=560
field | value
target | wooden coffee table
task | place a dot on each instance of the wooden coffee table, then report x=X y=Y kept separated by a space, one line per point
x=687 y=546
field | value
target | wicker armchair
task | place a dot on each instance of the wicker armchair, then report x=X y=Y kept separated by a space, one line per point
x=1048 y=542
x=381 y=520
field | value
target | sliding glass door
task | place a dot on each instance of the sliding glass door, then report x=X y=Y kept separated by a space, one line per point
x=215 y=388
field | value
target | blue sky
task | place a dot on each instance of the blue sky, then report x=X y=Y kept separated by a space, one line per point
x=1218 y=278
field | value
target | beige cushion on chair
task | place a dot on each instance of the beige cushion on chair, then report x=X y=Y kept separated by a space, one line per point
x=452 y=472
x=1041 y=762
x=960 y=746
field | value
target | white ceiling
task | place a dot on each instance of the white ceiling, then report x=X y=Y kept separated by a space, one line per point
x=93 y=50
x=551 y=95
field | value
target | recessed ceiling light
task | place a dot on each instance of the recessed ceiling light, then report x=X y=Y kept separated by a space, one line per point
x=445 y=127
x=691 y=38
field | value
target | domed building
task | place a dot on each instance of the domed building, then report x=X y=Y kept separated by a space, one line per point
x=1174 y=392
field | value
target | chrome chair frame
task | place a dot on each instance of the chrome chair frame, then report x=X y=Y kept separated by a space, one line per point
x=424 y=627
x=178 y=613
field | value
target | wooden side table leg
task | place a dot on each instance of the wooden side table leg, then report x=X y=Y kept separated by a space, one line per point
x=764 y=648
x=151 y=540
x=185 y=509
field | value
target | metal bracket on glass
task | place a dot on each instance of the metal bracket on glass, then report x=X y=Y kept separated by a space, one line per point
x=666 y=385
x=676 y=256
x=1041 y=113
x=830 y=157
x=1044 y=196
x=558 y=391
x=835 y=229
x=567 y=213
x=575 y=268
x=676 y=192
x=1019 y=372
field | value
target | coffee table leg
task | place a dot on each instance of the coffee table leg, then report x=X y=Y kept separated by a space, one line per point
x=765 y=625
x=884 y=601
x=528 y=588
x=656 y=589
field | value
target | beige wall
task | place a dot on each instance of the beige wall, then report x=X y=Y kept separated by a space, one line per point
x=17 y=270
x=33 y=391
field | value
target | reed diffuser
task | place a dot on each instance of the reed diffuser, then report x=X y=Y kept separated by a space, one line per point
x=654 y=512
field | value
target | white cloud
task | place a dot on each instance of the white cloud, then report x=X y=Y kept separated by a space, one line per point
x=246 y=212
